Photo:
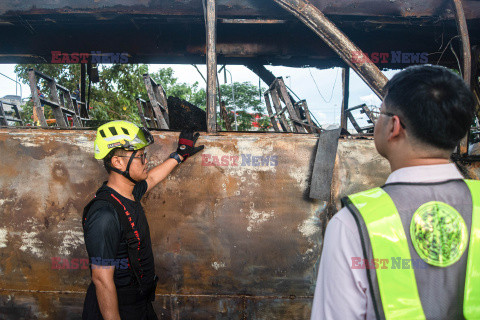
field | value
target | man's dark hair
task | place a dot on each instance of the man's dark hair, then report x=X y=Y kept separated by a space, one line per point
x=107 y=161
x=435 y=104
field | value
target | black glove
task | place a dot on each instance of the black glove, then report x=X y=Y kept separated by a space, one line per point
x=186 y=144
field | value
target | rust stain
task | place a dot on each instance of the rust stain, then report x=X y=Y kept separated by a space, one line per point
x=231 y=240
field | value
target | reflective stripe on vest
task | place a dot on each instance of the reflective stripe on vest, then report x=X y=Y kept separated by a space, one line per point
x=471 y=303
x=398 y=287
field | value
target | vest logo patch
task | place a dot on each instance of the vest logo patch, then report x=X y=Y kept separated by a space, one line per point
x=439 y=234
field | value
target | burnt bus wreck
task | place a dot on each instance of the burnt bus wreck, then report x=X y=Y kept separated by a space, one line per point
x=247 y=243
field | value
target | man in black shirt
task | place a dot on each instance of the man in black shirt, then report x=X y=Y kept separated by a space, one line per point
x=116 y=230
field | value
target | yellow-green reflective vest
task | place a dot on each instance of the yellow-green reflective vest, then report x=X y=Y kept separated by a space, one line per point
x=430 y=228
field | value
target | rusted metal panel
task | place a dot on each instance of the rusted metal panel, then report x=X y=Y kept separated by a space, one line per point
x=234 y=237
x=15 y=305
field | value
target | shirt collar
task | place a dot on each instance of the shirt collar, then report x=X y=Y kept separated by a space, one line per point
x=428 y=173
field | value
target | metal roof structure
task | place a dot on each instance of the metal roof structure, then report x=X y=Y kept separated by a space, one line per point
x=248 y=32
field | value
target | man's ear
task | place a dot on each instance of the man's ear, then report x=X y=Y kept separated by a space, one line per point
x=395 y=128
x=117 y=163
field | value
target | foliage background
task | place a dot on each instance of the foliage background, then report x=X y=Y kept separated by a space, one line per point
x=114 y=96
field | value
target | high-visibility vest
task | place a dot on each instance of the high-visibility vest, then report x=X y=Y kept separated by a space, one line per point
x=385 y=235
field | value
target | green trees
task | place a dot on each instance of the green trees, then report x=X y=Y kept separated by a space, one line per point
x=114 y=96
x=248 y=105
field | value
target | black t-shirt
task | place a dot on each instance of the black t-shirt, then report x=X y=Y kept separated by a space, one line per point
x=103 y=236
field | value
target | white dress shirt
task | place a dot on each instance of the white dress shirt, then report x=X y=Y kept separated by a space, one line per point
x=342 y=292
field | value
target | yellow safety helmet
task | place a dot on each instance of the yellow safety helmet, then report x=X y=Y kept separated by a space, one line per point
x=120 y=134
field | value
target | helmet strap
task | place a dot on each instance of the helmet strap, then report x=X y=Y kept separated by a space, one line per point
x=126 y=173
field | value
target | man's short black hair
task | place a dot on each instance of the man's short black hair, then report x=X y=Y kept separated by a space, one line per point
x=435 y=104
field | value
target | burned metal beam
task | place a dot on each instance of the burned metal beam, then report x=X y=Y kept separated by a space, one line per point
x=346 y=96
x=83 y=82
x=266 y=75
x=252 y=21
x=466 y=54
x=37 y=109
x=476 y=77
x=463 y=32
x=211 y=20
x=337 y=40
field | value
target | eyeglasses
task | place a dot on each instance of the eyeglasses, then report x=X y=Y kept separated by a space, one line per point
x=142 y=157
x=389 y=114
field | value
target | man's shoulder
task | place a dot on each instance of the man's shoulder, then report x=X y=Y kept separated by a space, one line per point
x=101 y=212
x=344 y=219
x=101 y=205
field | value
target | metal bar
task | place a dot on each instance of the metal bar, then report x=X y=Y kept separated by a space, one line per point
x=360 y=106
x=43 y=75
x=201 y=74
x=346 y=96
x=463 y=31
x=57 y=110
x=303 y=103
x=263 y=73
x=147 y=106
x=353 y=121
x=298 y=106
x=83 y=81
x=293 y=113
x=273 y=119
x=73 y=106
x=252 y=21
x=62 y=88
x=3 y=118
x=158 y=114
x=279 y=113
x=15 y=108
x=81 y=108
x=476 y=84
x=68 y=111
x=38 y=111
x=211 y=66
x=306 y=125
x=141 y=114
x=337 y=40
x=266 y=75
x=161 y=98
x=467 y=57
x=371 y=117
x=278 y=107
x=9 y=119
x=150 y=116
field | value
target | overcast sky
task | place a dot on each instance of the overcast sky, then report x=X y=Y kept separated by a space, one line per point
x=321 y=88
